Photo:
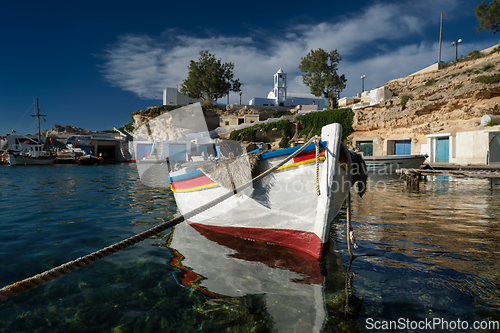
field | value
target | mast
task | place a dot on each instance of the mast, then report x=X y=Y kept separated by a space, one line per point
x=38 y=115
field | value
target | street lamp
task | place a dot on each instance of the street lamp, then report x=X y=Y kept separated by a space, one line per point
x=456 y=47
x=363 y=83
x=240 y=97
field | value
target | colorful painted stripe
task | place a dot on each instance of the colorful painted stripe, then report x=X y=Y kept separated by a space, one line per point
x=193 y=184
x=306 y=242
x=197 y=180
x=289 y=151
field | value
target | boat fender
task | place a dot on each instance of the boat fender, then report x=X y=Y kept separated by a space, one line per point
x=231 y=155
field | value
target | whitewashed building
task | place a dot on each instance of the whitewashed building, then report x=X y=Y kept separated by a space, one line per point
x=465 y=148
x=172 y=96
x=280 y=97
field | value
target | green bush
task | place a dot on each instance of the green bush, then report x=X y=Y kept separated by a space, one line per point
x=495 y=50
x=495 y=78
x=474 y=55
x=405 y=99
x=311 y=123
x=458 y=86
x=283 y=113
x=488 y=67
x=430 y=82
x=492 y=123
x=162 y=109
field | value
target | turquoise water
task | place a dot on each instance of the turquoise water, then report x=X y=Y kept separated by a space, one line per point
x=434 y=255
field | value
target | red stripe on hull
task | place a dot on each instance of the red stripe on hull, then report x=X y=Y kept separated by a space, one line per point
x=191 y=183
x=307 y=156
x=303 y=241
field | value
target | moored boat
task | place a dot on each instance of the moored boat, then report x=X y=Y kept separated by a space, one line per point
x=89 y=159
x=31 y=152
x=391 y=163
x=292 y=207
x=70 y=154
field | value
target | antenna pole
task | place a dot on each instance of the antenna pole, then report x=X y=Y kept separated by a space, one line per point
x=440 y=39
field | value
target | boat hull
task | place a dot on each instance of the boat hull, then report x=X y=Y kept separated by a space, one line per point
x=283 y=208
x=392 y=163
x=29 y=160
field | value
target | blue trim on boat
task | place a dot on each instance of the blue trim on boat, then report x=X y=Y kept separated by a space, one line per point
x=288 y=151
x=186 y=176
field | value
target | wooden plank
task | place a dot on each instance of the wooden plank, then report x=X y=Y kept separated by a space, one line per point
x=455 y=173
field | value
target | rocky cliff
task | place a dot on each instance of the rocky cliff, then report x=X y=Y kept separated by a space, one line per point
x=448 y=100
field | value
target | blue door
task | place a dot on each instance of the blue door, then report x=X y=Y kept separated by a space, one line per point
x=443 y=150
x=402 y=147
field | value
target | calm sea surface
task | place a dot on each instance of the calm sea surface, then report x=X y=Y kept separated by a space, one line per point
x=433 y=257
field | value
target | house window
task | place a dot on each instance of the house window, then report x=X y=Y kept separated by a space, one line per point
x=241 y=121
x=226 y=123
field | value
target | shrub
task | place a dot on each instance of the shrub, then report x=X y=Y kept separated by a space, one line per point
x=492 y=123
x=495 y=78
x=496 y=49
x=488 y=67
x=311 y=123
x=283 y=113
x=405 y=99
x=474 y=55
x=430 y=82
x=458 y=86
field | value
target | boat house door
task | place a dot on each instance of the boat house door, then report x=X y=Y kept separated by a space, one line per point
x=443 y=150
x=494 y=148
x=402 y=147
x=366 y=148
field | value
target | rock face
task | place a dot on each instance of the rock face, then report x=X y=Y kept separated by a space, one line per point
x=447 y=100
x=65 y=131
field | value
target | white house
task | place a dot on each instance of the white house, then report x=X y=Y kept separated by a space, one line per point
x=465 y=148
x=280 y=97
x=172 y=96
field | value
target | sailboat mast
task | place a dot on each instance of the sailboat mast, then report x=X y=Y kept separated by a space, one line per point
x=38 y=115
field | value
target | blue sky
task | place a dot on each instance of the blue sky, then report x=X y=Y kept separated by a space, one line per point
x=92 y=63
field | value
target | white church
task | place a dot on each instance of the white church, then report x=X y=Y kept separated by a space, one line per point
x=279 y=96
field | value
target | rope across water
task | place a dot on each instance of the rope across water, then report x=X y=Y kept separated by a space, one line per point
x=42 y=278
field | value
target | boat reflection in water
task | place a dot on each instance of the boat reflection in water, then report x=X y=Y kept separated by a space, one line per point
x=294 y=290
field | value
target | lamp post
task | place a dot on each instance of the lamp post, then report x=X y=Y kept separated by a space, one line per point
x=456 y=47
x=363 y=83
x=240 y=97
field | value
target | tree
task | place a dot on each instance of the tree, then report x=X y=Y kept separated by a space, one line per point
x=321 y=75
x=209 y=79
x=488 y=16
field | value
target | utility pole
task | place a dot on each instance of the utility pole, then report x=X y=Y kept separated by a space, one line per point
x=440 y=39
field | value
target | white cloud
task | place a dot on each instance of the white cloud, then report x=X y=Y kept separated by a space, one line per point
x=145 y=65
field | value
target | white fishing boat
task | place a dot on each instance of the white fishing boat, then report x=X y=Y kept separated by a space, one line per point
x=391 y=163
x=70 y=154
x=31 y=152
x=290 y=286
x=292 y=207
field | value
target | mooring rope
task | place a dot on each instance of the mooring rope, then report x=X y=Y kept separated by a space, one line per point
x=42 y=278
x=317 y=140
